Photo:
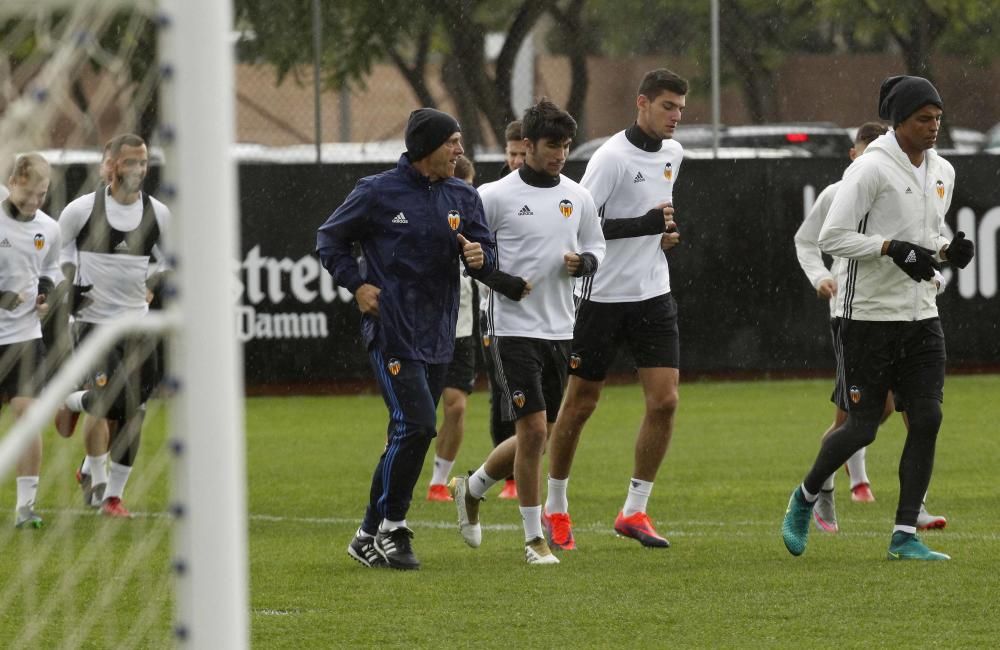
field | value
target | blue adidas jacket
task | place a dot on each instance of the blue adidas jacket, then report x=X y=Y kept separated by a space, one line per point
x=408 y=231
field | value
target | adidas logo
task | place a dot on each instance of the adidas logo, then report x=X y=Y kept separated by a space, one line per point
x=5 y=243
x=400 y=218
x=912 y=257
x=525 y=211
x=639 y=178
x=908 y=191
x=122 y=246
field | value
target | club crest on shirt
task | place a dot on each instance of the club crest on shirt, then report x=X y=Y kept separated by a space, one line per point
x=855 y=393
x=518 y=399
x=668 y=172
x=566 y=207
x=393 y=367
x=575 y=361
x=100 y=380
x=939 y=186
x=454 y=218
x=39 y=241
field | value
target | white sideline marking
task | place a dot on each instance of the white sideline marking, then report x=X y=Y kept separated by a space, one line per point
x=679 y=528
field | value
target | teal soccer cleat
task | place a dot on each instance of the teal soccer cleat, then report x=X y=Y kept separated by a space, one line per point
x=905 y=546
x=795 y=527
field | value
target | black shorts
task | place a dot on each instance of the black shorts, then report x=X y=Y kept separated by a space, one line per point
x=907 y=358
x=21 y=369
x=462 y=369
x=839 y=396
x=647 y=327
x=127 y=375
x=532 y=375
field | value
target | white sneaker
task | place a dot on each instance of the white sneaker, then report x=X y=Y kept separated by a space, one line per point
x=468 y=511
x=927 y=521
x=536 y=551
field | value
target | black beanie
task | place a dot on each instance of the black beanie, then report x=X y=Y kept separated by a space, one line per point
x=902 y=96
x=427 y=130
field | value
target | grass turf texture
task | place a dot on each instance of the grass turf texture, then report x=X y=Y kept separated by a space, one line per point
x=738 y=451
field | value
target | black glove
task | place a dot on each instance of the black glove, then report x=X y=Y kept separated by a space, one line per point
x=510 y=286
x=588 y=266
x=45 y=286
x=9 y=300
x=916 y=261
x=79 y=298
x=960 y=251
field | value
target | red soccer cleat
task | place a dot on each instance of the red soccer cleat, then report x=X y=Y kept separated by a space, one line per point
x=438 y=492
x=862 y=493
x=639 y=527
x=113 y=507
x=559 y=530
x=509 y=490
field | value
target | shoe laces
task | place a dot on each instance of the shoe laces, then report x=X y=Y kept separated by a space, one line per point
x=397 y=540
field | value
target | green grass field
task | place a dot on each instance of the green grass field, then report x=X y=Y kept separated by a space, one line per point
x=738 y=450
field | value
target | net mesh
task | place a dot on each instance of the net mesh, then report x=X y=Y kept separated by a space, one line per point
x=73 y=73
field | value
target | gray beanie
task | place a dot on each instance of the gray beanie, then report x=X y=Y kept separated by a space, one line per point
x=902 y=96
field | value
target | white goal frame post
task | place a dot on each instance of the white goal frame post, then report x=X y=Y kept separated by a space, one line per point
x=207 y=422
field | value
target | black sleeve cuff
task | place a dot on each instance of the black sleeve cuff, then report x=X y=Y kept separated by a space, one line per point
x=650 y=223
x=509 y=286
x=588 y=266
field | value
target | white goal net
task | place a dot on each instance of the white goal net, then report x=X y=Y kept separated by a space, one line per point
x=74 y=74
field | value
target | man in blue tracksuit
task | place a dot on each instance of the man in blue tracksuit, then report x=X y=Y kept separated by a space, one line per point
x=411 y=222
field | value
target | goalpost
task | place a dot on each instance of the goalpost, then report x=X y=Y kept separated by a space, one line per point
x=192 y=544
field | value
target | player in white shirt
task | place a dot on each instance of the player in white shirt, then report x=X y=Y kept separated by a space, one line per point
x=461 y=375
x=627 y=304
x=29 y=270
x=547 y=232
x=826 y=282
x=887 y=220
x=108 y=239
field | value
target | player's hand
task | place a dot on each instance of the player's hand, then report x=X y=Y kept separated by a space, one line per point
x=826 y=289
x=79 y=298
x=42 y=305
x=367 y=297
x=668 y=215
x=916 y=261
x=670 y=237
x=526 y=290
x=472 y=252
x=960 y=251
x=10 y=300
x=572 y=262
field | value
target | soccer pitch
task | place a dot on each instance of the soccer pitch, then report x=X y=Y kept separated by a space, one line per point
x=727 y=581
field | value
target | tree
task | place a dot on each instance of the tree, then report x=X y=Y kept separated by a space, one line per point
x=360 y=33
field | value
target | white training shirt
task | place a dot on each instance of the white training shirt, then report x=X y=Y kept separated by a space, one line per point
x=28 y=250
x=534 y=227
x=463 y=327
x=119 y=281
x=4 y=192
x=627 y=182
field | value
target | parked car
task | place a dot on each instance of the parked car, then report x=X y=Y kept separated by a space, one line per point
x=992 y=144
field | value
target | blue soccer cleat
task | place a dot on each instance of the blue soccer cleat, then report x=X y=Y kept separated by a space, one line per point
x=906 y=546
x=795 y=527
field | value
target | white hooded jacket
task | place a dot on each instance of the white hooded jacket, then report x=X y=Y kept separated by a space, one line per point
x=880 y=199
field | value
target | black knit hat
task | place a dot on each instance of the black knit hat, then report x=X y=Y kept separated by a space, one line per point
x=427 y=130
x=902 y=96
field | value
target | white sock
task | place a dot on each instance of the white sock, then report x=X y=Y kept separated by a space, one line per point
x=98 y=469
x=810 y=497
x=638 y=496
x=362 y=534
x=442 y=468
x=117 y=481
x=531 y=516
x=905 y=529
x=856 y=468
x=480 y=482
x=75 y=401
x=828 y=483
x=85 y=468
x=387 y=525
x=27 y=488
x=556 y=501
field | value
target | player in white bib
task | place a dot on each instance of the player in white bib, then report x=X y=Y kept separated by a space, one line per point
x=627 y=304
x=108 y=238
x=548 y=233
x=29 y=270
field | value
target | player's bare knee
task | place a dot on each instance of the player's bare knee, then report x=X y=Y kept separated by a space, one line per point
x=662 y=407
